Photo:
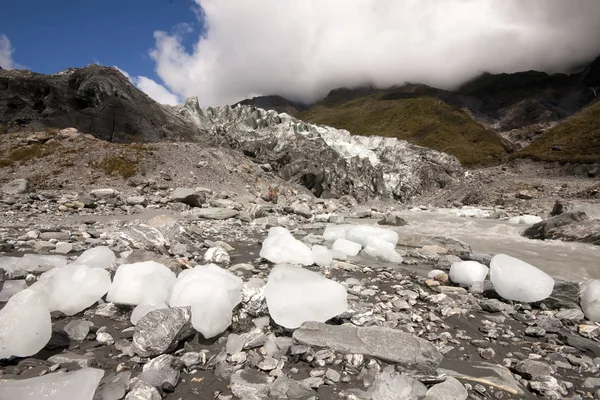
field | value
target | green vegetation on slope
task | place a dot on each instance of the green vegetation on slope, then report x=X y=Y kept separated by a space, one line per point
x=425 y=121
x=577 y=139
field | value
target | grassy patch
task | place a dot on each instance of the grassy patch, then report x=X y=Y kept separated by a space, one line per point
x=32 y=152
x=119 y=165
x=3 y=129
x=5 y=162
x=425 y=121
x=575 y=140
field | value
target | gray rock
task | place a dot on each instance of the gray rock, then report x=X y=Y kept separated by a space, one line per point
x=286 y=388
x=143 y=391
x=104 y=193
x=159 y=331
x=160 y=372
x=301 y=209
x=486 y=373
x=250 y=384
x=591 y=383
x=216 y=213
x=548 y=386
x=525 y=194
x=384 y=343
x=16 y=186
x=569 y=226
x=113 y=387
x=78 y=329
x=495 y=305
x=560 y=207
x=392 y=220
x=72 y=358
x=63 y=248
x=531 y=369
x=450 y=389
x=54 y=235
x=188 y=196
x=572 y=314
x=136 y=200
x=192 y=358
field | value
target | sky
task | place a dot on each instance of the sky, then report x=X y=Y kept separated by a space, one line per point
x=226 y=50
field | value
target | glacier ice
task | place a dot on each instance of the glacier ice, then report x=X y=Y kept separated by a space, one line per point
x=334 y=232
x=212 y=292
x=25 y=326
x=144 y=308
x=524 y=220
x=73 y=288
x=80 y=385
x=517 y=280
x=281 y=247
x=138 y=282
x=590 y=300
x=468 y=272
x=381 y=250
x=322 y=255
x=295 y=295
x=10 y=288
x=363 y=234
x=39 y=262
x=347 y=247
x=97 y=257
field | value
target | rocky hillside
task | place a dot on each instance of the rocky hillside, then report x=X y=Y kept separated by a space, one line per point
x=96 y=100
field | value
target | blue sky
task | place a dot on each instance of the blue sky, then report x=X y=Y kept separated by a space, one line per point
x=48 y=36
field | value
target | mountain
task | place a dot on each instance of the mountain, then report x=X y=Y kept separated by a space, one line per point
x=95 y=99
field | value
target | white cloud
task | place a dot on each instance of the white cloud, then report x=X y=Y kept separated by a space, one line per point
x=301 y=49
x=6 y=51
x=152 y=88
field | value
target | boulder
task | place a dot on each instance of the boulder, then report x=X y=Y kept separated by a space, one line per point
x=160 y=331
x=568 y=226
x=16 y=186
x=188 y=196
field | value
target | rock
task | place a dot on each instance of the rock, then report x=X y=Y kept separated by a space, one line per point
x=295 y=295
x=217 y=255
x=141 y=282
x=136 y=201
x=487 y=353
x=524 y=194
x=16 y=186
x=468 y=272
x=590 y=300
x=346 y=247
x=548 y=387
x=113 y=387
x=104 y=338
x=392 y=220
x=159 y=372
x=78 y=329
x=97 y=257
x=80 y=385
x=495 y=305
x=391 y=385
x=387 y=344
x=569 y=226
x=188 y=196
x=10 y=288
x=281 y=247
x=532 y=369
x=144 y=308
x=104 y=193
x=517 y=280
x=489 y=374
x=160 y=331
x=560 y=207
x=143 y=391
x=71 y=358
x=63 y=248
x=450 y=389
x=250 y=384
x=217 y=213
x=301 y=209
x=25 y=326
x=212 y=293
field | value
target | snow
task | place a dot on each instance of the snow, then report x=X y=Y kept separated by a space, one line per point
x=144 y=308
x=97 y=257
x=468 y=272
x=139 y=282
x=322 y=255
x=524 y=220
x=73 y=288
x=212 y=292
x=281 y=247
x=517 y=280
x=381 y=250
x=38 y=262
x=80 y=385
x=295 y=295
x=11 y=288
x=590 y=300
x=25 y=326
x=346 y=247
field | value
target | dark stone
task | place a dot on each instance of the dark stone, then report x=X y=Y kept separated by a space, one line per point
x=393 y=220
x=569 y=226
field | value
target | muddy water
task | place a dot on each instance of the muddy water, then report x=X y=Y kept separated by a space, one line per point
x=562 y=260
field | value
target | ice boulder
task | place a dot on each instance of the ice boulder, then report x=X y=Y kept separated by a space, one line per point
x=322 y=255
x=281 y=247
x=381 y=250
x=10 y=288
x=212 y=292
x=39 y=262
x=25 y=326
x=295 y=295
x=9 y=265
x=347 y=247
x=146 y=281
x=80 y=385
x=468 y=272
x=590 y=300
x=517 y=280
x=73 y=288
x=144 y=308
x=334 y=232
x=363 y=234
x=97 y=257
x=524 y=220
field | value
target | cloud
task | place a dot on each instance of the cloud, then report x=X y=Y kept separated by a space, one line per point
x=301 y=49
x=6 y=51
x=152 y=88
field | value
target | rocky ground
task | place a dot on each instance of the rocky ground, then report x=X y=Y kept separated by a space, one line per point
x=404 y=335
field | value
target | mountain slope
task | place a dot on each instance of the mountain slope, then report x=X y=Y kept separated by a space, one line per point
x=96 y=100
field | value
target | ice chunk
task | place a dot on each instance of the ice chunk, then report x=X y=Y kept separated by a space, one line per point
x=144 y=281
x=9 y=265
x=590 y=300
x=322 y=255
x=73 y=288
x=524 y=220
x=38 y=262
x=212 y=292
x=80 y=385
x=144 y=308
x=382 y=250
x=347 y=247
x=281 y=247
x=98 y=257
x=295 y=295
x=25 y=326
x=11 y=288
x=468 y=272
x=335 y=232
x=517 y=280
x=363 y=234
